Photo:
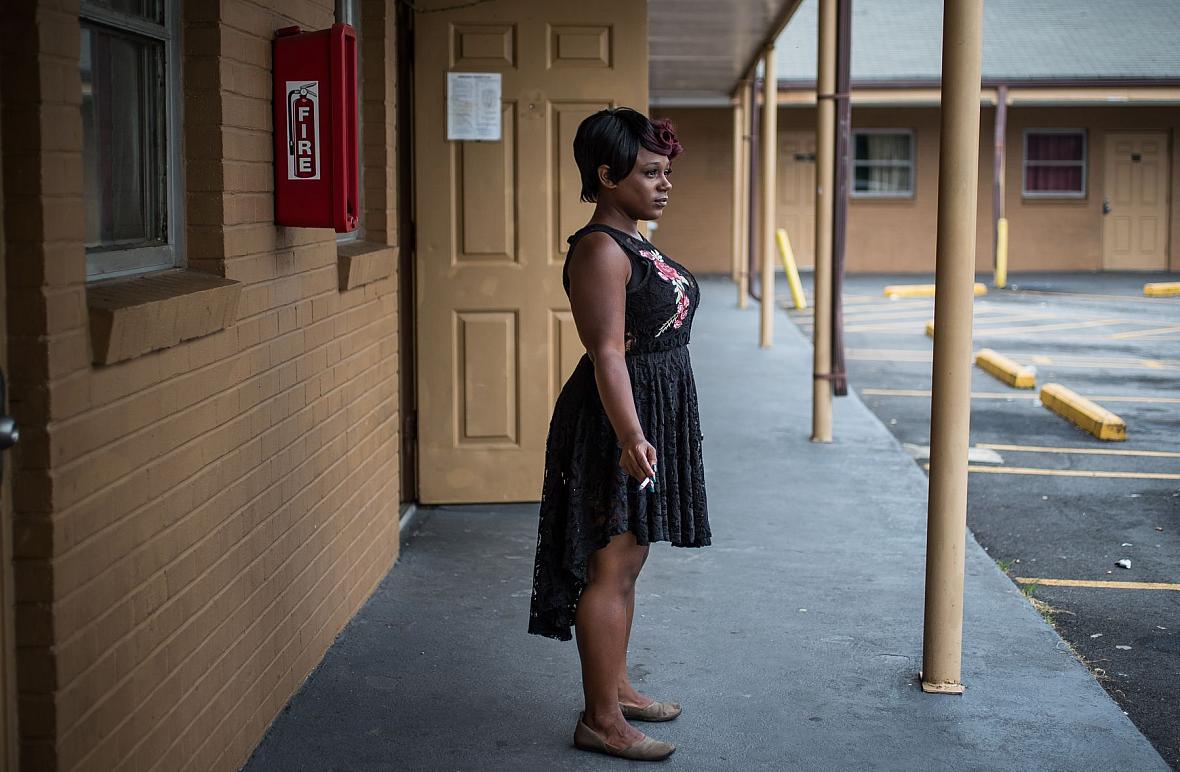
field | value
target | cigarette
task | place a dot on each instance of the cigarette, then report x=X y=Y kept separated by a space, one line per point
x=643 y=484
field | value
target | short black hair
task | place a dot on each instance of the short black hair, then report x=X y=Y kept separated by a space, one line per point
x=613 y=137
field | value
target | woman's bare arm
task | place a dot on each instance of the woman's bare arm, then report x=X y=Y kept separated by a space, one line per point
x=598 y=273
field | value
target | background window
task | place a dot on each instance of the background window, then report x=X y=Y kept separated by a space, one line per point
x=882 y=163
x=129 y=129
x=1055 y=162
x=349 y=12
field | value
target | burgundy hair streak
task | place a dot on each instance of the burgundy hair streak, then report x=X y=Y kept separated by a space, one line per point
x=661 y=139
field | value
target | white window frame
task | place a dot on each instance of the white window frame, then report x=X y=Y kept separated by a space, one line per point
x=349 y=12
x=1024 y=162
x=912 y=165
x=110 y=263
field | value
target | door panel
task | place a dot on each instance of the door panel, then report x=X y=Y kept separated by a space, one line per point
x=796 y=193
x=495 y=336
x=1136 y=226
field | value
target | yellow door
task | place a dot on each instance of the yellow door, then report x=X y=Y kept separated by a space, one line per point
x=496 y=339
x=1135 y=228
x=796 y=193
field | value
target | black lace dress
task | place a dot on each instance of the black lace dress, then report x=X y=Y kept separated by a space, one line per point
x=587 y=497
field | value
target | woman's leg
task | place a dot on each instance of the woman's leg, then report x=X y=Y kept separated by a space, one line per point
x=601 y=626
x=627 y=692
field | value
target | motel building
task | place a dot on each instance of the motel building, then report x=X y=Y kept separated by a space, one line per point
x=224 y=414
x=1087 y=96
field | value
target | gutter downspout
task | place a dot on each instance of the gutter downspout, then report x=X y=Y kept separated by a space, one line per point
x=840 y=209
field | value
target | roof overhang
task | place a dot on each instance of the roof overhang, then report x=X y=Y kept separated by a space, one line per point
x=700 y=50
x=1078 y=92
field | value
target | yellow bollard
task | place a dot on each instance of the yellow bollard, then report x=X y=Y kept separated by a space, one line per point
x=792 y=270
x=1002 y=253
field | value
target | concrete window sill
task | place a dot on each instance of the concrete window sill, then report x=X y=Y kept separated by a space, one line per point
x=132 y=316
x=364 y=262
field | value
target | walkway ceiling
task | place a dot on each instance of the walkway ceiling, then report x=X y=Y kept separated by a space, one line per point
x=700 y=49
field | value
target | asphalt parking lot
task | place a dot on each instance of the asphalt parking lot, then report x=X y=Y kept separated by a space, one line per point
x=1054 y=506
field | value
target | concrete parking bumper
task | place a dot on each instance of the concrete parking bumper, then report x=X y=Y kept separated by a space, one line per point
x=794 y=642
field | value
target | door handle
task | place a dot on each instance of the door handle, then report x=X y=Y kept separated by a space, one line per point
x=1105 y=205
x=9 y=431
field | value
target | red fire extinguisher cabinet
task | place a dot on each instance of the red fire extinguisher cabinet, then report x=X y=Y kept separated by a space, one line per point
x=315 y=115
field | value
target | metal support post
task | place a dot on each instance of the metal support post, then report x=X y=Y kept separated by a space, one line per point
x=768 y=197
x=741 y=162
x=1000 y=223
x=825 y=107
x=950 y=415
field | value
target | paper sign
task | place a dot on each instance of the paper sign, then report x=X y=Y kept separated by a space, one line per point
x=473 y=106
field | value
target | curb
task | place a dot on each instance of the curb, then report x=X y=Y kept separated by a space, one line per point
x=1088 y=415
x=1163 y=289
x=922 y=290
x=1005 y=369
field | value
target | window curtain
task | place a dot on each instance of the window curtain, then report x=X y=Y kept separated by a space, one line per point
x=888 y=169
x=1055 y=163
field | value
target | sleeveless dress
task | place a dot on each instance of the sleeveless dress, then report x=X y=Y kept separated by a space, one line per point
x=587 y=497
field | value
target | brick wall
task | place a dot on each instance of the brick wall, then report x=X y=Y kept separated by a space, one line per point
x=193 y=526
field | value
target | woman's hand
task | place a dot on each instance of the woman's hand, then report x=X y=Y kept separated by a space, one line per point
x=638 y=458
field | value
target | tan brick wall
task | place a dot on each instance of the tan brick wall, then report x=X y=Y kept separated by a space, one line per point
x=193 y=526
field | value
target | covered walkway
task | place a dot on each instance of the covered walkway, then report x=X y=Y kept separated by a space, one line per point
x=794 y=641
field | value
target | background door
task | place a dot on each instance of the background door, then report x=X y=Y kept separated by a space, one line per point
x=1135 y=227
x=495 y=336
x=796 y=193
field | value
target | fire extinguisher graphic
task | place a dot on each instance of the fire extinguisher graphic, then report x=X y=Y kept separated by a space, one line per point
x=302 y=122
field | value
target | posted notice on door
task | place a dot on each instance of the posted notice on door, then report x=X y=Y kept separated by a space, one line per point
x=473 y=106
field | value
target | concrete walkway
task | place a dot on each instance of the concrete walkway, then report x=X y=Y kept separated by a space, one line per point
x=794 y=641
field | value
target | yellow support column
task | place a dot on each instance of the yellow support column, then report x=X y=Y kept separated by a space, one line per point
x=790 y=268
x=767 y=197
x=1002 y=253
x=958 y=178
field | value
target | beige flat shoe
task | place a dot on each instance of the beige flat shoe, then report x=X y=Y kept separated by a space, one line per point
x=646 y=749
x=657 y=711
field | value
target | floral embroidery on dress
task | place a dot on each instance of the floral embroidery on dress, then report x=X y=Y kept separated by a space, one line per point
x=679 y=282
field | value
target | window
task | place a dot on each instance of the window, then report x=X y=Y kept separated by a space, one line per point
x=882 y=163
x=1054 y=163
x=349 y=12
x=130 y=135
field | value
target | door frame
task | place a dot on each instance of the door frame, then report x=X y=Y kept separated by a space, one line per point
x=407 y=251
x=9 y=741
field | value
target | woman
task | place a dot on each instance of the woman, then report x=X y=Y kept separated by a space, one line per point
x=628 y=412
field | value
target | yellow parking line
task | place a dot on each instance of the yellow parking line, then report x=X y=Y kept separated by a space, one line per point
x=1027 y=470
x=1144 y=333
x=885 y=326
x=1015 y=395
x=1103 y=298
x=1080 y=451
x=1050 y=327
x=1110 y=363
x=1104 y=585
x=905 y=306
